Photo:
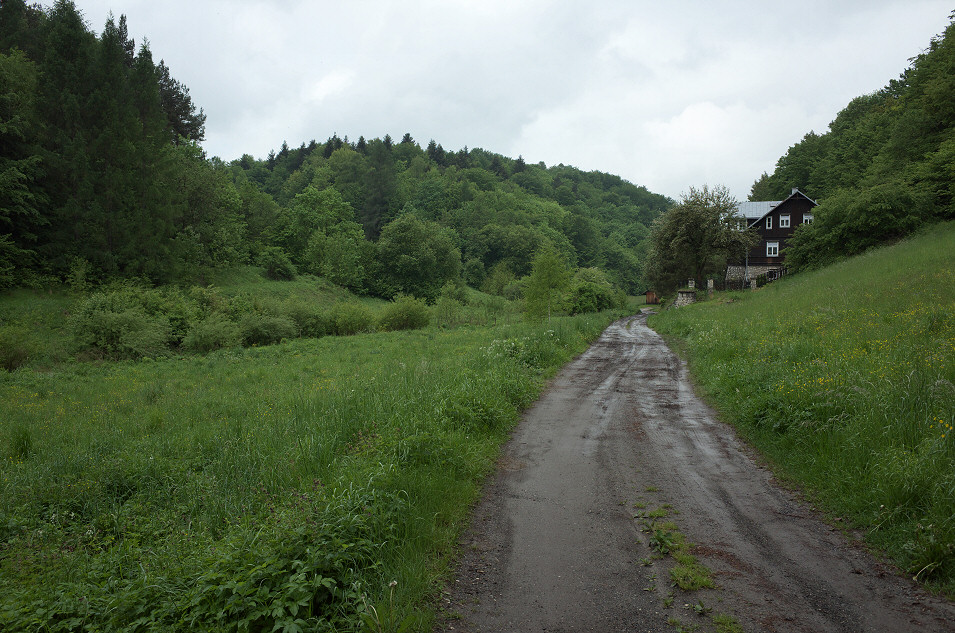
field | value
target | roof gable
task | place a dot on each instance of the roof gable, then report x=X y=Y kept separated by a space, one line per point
x=754 y=219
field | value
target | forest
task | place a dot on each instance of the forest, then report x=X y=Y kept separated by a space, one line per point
x=103 y=177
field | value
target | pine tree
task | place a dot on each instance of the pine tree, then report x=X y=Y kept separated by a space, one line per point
x=379 y=188
x=20 y=165
x=183 y=120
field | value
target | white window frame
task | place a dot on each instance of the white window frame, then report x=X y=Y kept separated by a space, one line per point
x=769 y=221
x=784 y=221
x=772 y=249
x=807 y=218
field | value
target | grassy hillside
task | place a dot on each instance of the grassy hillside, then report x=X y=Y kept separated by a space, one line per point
x=845 y=379
x=282 y=486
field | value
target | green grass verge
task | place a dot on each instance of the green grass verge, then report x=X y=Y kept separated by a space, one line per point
x=845 y=379
x=273 y=488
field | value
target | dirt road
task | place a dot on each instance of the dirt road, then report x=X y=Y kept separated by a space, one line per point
x=556 y=543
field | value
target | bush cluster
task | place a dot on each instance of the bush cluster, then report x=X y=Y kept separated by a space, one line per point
x=404 y=313
x=126 y=321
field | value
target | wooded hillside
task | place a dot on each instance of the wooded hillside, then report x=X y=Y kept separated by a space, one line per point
x=102 y=176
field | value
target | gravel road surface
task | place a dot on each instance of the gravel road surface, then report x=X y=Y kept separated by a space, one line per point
x=556 y=542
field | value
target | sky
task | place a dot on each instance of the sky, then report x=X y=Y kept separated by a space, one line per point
x=667 y=95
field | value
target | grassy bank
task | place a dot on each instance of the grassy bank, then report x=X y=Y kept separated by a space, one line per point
x=272 y=488
x=845 y=379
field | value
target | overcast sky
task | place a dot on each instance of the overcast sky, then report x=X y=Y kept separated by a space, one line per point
x=666 y=94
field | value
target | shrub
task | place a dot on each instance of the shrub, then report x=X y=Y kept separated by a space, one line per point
x=404 y=313
x=266 y=329
x=455 y=290
x=352 y=317
x=130 y=333
x=276 y=263
x=209 y=300
x=213 y=333
x=589 y=297
x=590 y=291
x=474 y=273
x=309 y=318
x=447 y=311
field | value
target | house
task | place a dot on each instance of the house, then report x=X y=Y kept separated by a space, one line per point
x=774 y=222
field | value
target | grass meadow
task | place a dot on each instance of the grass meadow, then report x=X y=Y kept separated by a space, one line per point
x=845 y=379
x=317 y=484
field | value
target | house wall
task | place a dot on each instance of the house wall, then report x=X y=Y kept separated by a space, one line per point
x=795 y=208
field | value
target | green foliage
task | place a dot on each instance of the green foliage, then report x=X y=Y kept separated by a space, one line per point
x=276 y=263
x=311 y=318
x=852 y=221
x=416 y=258
x=125 y=321
x=126 y=188
x=404 y=313
x=20 y=197
x=352 y=317
x=499 y=278
x=849 y=392
x=590 y=291
x=266 y=329
x=212 y=333
x=548 y=279
x=695 y=238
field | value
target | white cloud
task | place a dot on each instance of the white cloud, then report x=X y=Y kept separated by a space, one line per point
x=667 y=95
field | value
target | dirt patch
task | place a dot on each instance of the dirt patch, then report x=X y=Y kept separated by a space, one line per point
x=556 y=544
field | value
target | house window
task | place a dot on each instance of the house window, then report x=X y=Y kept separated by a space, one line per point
x=784 y=221
x=807 y=218
x=772 y=249
x=769 y=222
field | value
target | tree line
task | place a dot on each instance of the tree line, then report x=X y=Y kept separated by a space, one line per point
x=102 y=175
x=884 y=168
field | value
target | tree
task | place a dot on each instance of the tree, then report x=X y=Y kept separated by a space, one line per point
x=695 y=238
x=416 y=258
x=379 y=187
x=548 y=279
x=20 y=197
x=591 y=291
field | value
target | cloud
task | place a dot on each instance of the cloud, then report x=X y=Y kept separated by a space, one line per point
x=666 y=95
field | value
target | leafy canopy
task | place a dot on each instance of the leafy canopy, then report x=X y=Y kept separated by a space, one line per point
x=695 y=238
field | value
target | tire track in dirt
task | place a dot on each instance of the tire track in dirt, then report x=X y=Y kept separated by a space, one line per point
x=554 y=546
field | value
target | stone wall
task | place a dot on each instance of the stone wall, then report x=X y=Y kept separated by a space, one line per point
x=739 y=272
x=684 y=298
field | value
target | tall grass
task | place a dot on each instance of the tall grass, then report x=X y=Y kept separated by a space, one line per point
x=845 y=378
x=284 y=486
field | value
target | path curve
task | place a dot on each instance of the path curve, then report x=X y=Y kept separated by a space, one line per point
x=554 y=544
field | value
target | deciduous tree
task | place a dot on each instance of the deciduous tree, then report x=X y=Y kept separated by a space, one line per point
x=549 y=277
x=695 y=238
